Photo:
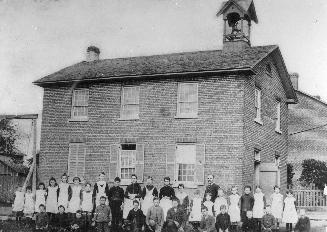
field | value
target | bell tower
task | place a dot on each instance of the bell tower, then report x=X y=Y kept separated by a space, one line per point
x=237 y=16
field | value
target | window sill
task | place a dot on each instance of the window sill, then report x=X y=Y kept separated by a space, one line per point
x=181 y=116
x=127 y=182
x=259 y=121
x=188 y=185
x=128 y=119
x=82 y=119
x=278 y=131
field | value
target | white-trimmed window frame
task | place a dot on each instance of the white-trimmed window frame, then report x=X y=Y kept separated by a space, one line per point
x=122 y=153
x=180 y=101
x=258 y=105
x=278 y=117
x=80 y=104
x=123 y=115
x=177 y=170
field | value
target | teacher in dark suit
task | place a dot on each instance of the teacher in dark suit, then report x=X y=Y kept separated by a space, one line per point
x=211 y=188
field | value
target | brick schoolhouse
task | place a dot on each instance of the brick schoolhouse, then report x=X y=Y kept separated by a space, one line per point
x=183 y=115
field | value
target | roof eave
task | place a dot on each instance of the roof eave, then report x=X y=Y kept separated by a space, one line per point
x=245 y=70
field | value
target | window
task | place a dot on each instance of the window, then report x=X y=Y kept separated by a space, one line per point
x=76 y=159
x=257 y=158
x=185 y=163
x=258 y=105
x=130 y=102
x=187 y=100
x=278 y=106
x=127 y=161
x=80 y=104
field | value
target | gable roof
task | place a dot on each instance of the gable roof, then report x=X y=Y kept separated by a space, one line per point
x=177 y=64
x=247 y=6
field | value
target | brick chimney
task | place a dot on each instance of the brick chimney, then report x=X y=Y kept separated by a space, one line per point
x=295 y=80
x=92 y=54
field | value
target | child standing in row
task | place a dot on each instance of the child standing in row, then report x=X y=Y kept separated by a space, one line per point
x=220 y=200
x=52 y=198
x=40 y=195
x=247 y=202
x=276 y=200
x=258 y=207
x=75 y=198
x=18 y=205
x=64 y=191
x=289 y=213
x=29 y=203
x=223 y=220
x=166 y=195
x=234 y=208
x=196 y=202
x=208 y=204
x=148 y=193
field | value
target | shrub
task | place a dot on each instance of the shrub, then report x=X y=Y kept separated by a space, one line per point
x=314 y=172
x=290 y=174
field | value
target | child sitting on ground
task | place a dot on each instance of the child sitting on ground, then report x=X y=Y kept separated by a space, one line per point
x=41 y=219
x=136 y=217
x=78 y=223
x=303 y=223
x=61 y=222
x=223 y=220
x=268 y=220
x=249 y=223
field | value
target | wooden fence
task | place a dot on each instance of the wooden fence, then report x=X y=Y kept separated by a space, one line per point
x=8 y=186
x=310 y=197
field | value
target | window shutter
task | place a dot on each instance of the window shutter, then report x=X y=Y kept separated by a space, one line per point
x=200 y=161
x=114 y=161
x=80 y=162
x=171 y=162
x=72 y=159
x=139 y=165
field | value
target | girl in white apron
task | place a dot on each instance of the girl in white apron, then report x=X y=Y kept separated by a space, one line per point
x=196 y=202
x=220 y=200
x=166 y=194
x=75 y=198
x=259 y=206
x=148 y=193
x=40 y=195
x=18 y=205
x=101 y=188
x=289 y=214
x=277 y=204
x=51 y=204
x=64 y=191
x=234 y=208
x=29 y=203
x=87 y=202
x=208 y=203
x=133 y=192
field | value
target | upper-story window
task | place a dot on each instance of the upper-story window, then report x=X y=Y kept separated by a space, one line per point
x=187 y=100
x=278 y=109
x=80 y=102
x=258 y=105
x=130 y=102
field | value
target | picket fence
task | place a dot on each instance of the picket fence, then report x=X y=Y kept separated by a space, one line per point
x=310 y=197
x=8 y=186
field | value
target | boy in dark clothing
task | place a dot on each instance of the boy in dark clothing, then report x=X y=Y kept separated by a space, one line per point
x=79 y=223
x=41 y=219
x=207 y=223
x=249 y=223
x=176 y=218
x=102 y=216
x=223 y=220
x=61 y=222
x=116 y=198
x=136 y=218
x=247 y=202
x=303 y=223
x=268 y=220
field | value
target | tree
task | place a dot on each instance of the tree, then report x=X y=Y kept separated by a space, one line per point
x=8 y=136
x=314 y=172
x=290 y=174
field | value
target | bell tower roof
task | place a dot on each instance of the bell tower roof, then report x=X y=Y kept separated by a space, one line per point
x=245 y=6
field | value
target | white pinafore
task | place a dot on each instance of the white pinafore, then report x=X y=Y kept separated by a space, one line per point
x=148 y=200
x=209 y=205
x=277 y=205
x=29 y=204
x=258 y=207
x=196 y=215
x=19 y=201
x=289 y=214
x=101 y=192
x=52 y=204
x=39 y=199
x=234 y=209
x=75 y=201
x=63 y=194
x=87 y=204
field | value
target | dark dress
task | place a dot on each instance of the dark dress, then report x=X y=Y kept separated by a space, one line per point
x=61 y=221
x=175 y=215
x=213 y=190
x=116 y=198
x=167 y=191
x=136 y=219
x=247 y=202
x=249 y=225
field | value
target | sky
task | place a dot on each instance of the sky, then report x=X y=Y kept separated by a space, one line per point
x=39 y=37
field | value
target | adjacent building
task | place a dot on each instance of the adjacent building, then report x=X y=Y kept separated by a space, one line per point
x=182 y=115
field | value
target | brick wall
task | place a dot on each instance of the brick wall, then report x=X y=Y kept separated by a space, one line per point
x=308 y=113
x=224 y=124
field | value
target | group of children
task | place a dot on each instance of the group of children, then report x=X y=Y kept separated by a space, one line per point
x=146 y=209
